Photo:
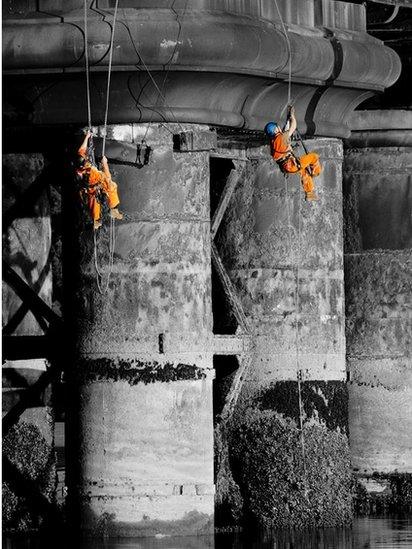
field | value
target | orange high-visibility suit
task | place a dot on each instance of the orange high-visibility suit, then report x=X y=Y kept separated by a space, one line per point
x=307 y=165
x=97 y=181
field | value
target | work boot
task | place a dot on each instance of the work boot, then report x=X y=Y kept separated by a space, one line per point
x=115 y=214
x=97 y=223
x=311 y=196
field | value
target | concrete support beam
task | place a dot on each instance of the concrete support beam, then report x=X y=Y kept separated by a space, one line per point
x=144 y=370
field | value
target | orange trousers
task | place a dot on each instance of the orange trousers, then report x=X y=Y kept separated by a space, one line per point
x=108 y=188
x=309 y=161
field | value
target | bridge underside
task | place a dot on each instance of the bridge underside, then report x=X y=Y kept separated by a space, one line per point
x=196 y=63
x=219 y=339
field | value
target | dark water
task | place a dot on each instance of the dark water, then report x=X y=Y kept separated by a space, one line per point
x=384 y=533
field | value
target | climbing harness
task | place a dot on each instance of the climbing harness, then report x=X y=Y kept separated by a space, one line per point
x=296 y=292
x=283 y=161
x=102 y=286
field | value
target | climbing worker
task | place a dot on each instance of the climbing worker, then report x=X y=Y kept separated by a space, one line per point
x=96 y=183
x=307 y=166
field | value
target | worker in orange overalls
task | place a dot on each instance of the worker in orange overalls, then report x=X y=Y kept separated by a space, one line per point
x=307 y=166
x=97 y=183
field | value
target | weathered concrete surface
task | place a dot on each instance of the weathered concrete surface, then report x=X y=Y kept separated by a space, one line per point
x=144 y=371
x=263 y=252
x=237 y=77
x=378 y=261
x=285 y=258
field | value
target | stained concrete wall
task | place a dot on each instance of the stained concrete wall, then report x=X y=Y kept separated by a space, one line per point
x=285 y=258
x=378 y=260
x=237 y=77
x=269 y=234
x=143 y=368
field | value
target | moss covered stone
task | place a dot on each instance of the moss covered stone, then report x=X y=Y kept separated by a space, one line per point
x=135 y=371
x=280 y=489
x=325 y=401
x=228 y=500
x=10 y=503
x=25 y=448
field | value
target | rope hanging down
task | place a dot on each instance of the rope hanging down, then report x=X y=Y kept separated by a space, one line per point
x=102 y=287
x=297 y=335
x=99 y=275
x=109 y=72
x=86 y=57
x=167 y=68
x=296 y=292
x=159 y=90
x=285 y=32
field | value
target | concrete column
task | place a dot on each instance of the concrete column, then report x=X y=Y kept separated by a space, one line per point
x=144 y=371
x=378 y=260
x=270 y=238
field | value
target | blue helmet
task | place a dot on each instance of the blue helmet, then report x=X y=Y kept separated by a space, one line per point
x=271 y=128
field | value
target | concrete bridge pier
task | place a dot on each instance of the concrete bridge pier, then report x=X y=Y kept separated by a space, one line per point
x=378 y=242
x=143 y=370
x=285 y=257
x=140 y=443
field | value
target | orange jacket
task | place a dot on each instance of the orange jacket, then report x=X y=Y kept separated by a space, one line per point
x=92 y=175
x=280 y=146
x=282 y=152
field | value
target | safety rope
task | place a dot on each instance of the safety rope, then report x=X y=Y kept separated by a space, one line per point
x=297 y=289
x=109 y=72
x=102 y=287
x=297 y=335
x=167 y=68
x=297 y=343
x=169 y=63
x=86 y=56
x=289 y=55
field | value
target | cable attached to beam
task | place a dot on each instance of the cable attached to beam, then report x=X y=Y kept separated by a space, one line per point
x=285 y=32
x=109 y=72
x=86 y=57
